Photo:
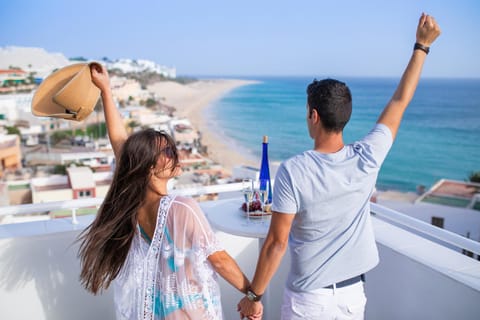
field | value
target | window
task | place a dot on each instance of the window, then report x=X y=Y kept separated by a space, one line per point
x=438 y=222
x=84 y=194
x=466 y=252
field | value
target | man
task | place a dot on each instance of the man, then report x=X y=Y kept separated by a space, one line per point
x=321 y=202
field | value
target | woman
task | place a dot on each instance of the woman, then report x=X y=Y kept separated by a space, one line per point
x=158 y=250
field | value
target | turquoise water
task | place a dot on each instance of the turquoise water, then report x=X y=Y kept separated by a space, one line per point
x=439 y=136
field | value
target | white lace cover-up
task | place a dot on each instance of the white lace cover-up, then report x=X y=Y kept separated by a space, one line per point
x=170 y=277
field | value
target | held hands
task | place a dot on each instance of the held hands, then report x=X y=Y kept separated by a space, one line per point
x=250 y=309
x=100 y=77
x=427 y=30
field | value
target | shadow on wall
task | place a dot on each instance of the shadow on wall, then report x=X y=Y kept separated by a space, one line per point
x=245 y=251
x=39 y=280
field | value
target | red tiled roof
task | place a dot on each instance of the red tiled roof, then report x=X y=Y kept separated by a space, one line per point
x=11 y=71
x=456 y=189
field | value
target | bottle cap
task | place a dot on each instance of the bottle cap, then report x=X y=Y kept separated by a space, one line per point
x=265 y=139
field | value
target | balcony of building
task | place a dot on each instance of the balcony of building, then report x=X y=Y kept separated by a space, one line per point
x=422 y=272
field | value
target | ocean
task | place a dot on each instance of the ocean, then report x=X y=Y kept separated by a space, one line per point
x=439 y=136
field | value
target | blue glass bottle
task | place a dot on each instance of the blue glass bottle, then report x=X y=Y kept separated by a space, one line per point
x=265 y=182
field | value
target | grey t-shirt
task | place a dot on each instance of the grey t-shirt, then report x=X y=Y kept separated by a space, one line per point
x=331 y=238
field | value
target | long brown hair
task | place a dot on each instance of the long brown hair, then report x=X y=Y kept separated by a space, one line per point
x=106 y=242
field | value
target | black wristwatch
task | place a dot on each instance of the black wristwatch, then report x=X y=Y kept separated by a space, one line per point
x=252 y=296
x=419 y=46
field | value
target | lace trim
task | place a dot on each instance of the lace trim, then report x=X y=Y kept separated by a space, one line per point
x=149 y=283
x=214 y=247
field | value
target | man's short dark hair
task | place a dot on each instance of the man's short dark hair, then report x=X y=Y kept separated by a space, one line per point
x=332 y=100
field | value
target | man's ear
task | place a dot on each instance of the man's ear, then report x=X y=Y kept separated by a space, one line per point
x=314 y=117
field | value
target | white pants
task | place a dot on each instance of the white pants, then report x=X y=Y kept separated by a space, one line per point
x=337 y=303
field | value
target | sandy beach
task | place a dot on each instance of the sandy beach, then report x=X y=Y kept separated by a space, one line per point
x=191 y=101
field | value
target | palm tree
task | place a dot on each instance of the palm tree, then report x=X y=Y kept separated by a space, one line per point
x=13 y=130
x=474 y=177
x=132 y=125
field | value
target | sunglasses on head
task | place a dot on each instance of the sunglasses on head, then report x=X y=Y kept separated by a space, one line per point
x=169 y=152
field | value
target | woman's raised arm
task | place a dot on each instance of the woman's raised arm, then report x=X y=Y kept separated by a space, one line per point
x=114 y=122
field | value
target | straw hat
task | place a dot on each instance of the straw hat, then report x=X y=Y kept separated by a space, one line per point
x=68 y=93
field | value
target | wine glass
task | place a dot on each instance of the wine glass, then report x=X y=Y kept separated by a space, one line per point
x=247 y=190
x=263 y=197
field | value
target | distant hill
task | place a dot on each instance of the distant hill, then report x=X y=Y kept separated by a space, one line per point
x=31 y=59
x=38 y=60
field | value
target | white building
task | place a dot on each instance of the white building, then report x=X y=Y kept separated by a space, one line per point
x=16 y=106
x=141 y=65
x=451 y=205
x=92 y=159
x=124 y=89
x=80 y=182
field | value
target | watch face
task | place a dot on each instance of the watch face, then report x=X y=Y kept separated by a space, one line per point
x=252 y=296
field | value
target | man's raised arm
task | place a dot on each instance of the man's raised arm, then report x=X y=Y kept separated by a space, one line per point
x=427 y=31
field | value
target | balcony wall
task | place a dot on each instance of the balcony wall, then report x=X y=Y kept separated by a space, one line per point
x=39 y=278
x=416 y=279
x=419 y=279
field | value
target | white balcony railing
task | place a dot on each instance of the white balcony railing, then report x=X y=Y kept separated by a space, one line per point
x=382 y=212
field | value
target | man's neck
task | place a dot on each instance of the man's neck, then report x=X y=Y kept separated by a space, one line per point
x=328 y=142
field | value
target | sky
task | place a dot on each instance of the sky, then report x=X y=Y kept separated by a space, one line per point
x=358 y=38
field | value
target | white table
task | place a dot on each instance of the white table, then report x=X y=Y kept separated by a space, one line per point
x=227 y=216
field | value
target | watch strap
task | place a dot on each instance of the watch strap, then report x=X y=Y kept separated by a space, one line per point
x=419 y=46
x=252 y=296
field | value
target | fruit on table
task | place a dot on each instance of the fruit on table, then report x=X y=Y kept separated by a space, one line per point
x=255 y=205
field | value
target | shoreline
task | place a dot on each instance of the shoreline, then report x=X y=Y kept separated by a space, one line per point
x=192 y=101
x=195 y=101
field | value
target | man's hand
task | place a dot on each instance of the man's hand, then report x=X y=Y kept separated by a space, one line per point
x=250 y=309
x=427 y=30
